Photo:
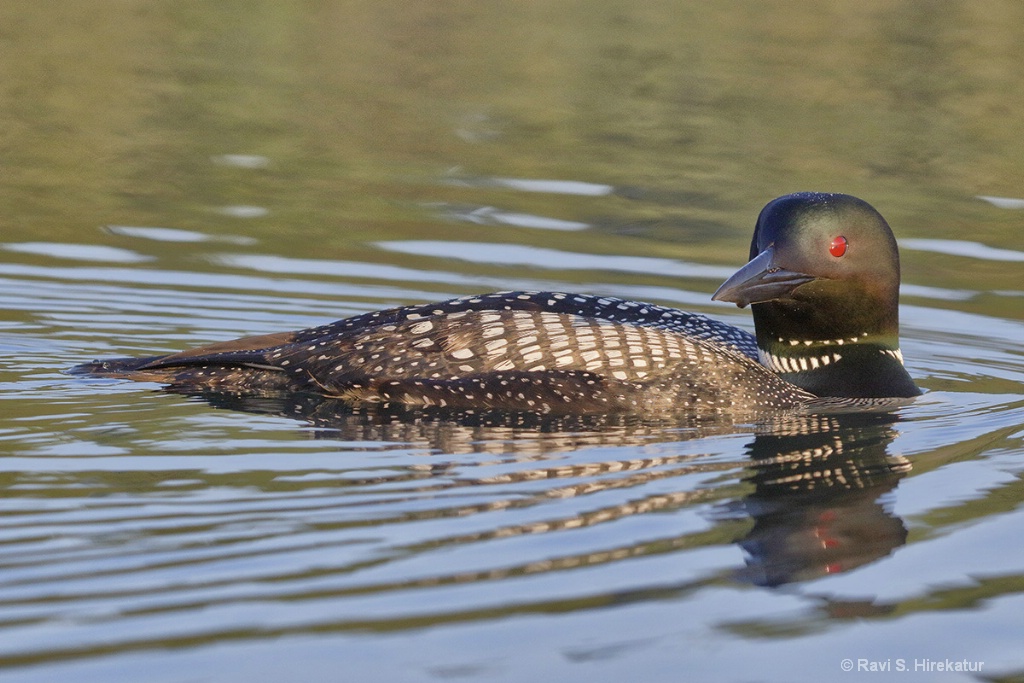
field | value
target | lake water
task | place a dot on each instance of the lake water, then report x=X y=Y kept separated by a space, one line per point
x=181 y=173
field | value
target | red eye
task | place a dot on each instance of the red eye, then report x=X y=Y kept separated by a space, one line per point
x=838 y=246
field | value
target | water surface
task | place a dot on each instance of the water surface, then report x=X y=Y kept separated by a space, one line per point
x=178 y=175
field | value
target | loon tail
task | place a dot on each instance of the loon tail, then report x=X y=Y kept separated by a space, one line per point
x=114 y=367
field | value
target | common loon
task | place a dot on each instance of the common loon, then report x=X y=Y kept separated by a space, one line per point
x=823 y=282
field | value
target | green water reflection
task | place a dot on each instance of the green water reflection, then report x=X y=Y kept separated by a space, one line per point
x=697 y=114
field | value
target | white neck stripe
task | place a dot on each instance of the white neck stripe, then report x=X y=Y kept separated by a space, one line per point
x=781 y=363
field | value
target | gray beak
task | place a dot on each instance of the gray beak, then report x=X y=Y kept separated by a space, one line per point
x=760 y=280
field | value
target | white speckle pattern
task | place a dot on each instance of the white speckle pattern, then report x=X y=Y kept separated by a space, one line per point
x=538 y=351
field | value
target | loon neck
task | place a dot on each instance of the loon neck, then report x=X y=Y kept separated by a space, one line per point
x=862 y=366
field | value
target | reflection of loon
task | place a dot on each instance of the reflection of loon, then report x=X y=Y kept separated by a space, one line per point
x=817 y=478
x=823 y=280
x=816 y=506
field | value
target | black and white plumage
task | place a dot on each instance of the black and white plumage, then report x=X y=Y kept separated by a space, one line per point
x=536 y=351
x=545 y=352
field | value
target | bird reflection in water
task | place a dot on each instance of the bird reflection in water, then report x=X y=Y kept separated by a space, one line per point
x=814 y=485
x=819 y=504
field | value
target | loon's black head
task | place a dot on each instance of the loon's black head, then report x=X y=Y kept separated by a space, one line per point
x=824 y=281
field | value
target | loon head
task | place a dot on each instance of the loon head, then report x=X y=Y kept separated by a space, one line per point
x=823 y=282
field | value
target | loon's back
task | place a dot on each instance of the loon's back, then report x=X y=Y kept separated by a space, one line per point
x=536 y=351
